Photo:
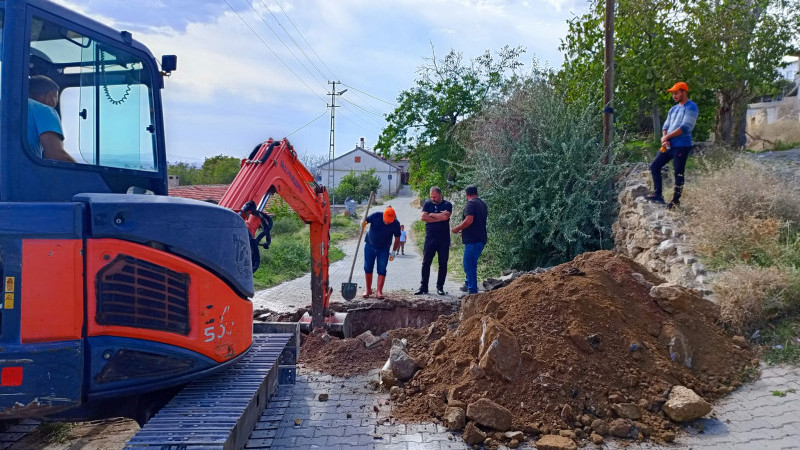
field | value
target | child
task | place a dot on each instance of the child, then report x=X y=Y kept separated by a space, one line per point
x=402 y=239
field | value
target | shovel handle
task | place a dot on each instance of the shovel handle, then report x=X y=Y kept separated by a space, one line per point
x=358 y=245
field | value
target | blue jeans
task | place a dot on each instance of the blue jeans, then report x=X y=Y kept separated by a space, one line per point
x=371 y=254
x=471 y=254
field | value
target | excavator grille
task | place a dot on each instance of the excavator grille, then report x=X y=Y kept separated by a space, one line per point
x=135 y=293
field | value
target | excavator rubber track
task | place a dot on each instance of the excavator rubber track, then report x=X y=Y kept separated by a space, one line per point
x=220 y=411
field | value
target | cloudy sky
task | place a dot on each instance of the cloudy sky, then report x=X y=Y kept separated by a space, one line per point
x=253 y=69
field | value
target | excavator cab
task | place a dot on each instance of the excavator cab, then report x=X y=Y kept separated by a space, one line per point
x=111 y=288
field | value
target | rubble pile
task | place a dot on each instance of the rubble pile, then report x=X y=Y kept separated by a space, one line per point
x=654 y=237
x=592 y=348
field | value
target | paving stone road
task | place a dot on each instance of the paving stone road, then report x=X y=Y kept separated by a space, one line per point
x=403 y=274
x=751 y=418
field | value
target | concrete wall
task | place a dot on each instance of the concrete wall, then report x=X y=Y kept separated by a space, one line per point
x=387 y=173
x=772 y=122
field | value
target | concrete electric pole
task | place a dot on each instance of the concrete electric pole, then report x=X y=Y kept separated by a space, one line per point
x=332 y=148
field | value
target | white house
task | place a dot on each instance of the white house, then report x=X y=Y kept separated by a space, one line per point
x=361 y=160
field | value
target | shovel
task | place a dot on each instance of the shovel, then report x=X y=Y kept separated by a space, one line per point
x=349 y=289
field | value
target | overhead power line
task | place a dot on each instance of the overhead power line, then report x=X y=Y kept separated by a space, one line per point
x=264 y=21
x=292 y=39
x=370 y=95
x=264 y=43
x=305 y=40
x=309 y=123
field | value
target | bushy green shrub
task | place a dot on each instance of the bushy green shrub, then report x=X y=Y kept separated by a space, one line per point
x=358 y=186
x=538 y=163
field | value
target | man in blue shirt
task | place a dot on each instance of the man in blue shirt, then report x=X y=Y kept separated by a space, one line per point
x=382 y=226
x=436 y=215
x=676 y=143
x=473 y=235
x=45 y=135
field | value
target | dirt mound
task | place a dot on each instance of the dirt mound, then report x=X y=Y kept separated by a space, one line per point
x=345 y=357
x=582 y=342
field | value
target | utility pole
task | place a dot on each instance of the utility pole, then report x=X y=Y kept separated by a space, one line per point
x=608 y=81
x=331 y=149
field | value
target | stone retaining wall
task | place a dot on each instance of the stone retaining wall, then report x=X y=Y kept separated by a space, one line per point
x=653 y=236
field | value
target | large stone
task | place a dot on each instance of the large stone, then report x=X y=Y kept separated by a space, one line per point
x=489 y=414
x=402 y=365
x=631 y=193
x=627 y=410
x=499 y=353
x=553 y=442
x=620 y=428
x=369 y=339
x=684 y=405
x=454 y=418
x=472 y=435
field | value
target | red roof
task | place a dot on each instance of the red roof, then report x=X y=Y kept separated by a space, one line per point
x=206 y=192
x=200 y=192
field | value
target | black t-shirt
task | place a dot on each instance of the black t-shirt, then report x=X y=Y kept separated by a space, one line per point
x=437 y=229
x=476 y=232
x=380 y=234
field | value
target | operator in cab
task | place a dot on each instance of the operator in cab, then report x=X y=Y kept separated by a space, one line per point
x=45 y=135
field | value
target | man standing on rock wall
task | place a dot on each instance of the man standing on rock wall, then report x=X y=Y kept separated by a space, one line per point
x=473 y=235
x=436 y=215
x=676 y=143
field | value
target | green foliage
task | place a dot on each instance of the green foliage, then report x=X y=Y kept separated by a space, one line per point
x=215 y=170
x=358 y=186
x=289 y=255
x=537 y=162
x=425 y=124
x=782 y=340
x=55 y=432
x=726 y=51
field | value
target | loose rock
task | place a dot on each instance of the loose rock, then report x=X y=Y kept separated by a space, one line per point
x=553 y=442
x=403 y=366
x=454 y=418
x=489 y=414
x=472 y=435
x=684 y=405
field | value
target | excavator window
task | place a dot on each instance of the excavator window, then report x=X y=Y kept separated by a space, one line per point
x=105 y=97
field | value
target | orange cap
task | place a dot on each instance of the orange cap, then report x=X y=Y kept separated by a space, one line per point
x=679 y=85
x=388 y=214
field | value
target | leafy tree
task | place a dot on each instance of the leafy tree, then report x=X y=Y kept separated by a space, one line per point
x=727 y=50
x=186 y=172
x=215 y=170
x=740 y=44
x=446 y=92
x=358 y=187
x=537 y=161
x=219 y=169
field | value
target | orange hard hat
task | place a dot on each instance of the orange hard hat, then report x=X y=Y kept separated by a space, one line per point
x=388 y=214
x=678 y=86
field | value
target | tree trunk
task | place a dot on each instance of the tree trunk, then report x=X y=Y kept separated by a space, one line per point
x=725 y=118
x=656 y=116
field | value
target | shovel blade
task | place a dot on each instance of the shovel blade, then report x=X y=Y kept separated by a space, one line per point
x=349 y=290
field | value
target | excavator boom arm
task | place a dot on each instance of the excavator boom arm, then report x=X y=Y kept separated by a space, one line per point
x=273 y=168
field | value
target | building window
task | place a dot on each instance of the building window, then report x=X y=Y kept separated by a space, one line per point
x=358 y=159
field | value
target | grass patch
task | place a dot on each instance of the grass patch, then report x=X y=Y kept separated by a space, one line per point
x=288 y=257
x=782 y=341
x=55 y=432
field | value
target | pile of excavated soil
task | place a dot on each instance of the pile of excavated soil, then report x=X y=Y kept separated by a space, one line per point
x=587 y=335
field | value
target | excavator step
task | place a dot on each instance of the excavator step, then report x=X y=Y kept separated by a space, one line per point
x=220 y=411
